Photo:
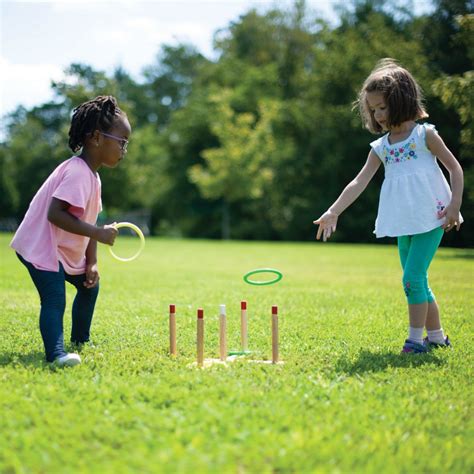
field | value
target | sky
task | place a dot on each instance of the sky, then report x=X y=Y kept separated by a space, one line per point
x=39 y=39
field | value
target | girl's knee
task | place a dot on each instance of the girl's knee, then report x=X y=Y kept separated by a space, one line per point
x=90 y=293
x=54 y=300
x=415 y=289
x=95 y=290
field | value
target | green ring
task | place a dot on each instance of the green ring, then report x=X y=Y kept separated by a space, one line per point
x=238 y=352
x=278 y=277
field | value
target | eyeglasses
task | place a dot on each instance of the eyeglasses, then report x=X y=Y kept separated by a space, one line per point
x=123 y=141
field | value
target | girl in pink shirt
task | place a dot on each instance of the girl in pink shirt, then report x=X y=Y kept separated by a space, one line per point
x=57 y=239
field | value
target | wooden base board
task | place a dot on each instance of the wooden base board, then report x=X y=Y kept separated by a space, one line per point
x=210 y=362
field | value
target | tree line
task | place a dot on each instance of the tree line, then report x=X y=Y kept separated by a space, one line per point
x=258 y=142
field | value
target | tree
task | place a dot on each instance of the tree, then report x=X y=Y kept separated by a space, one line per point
x=168 y=83
x=457 y=93
x=242 y=166
x=265 y=132
x=447 y=48
x=32 y=151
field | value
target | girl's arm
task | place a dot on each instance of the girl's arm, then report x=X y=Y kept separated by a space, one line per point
x=328 y=221
x=91 y=252
x=437 y=146
x=92 y=273
x=59 y=216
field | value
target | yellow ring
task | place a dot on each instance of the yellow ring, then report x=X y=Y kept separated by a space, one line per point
x=137 y=230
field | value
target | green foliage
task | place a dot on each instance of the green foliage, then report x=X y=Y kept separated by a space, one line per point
x=446 y=48
x=181 y=209
x=345 y=400
x=457 y=92
x=143 y=171
x=168 y=83
x=264 y=135
x=32 y=152
x=242 y=166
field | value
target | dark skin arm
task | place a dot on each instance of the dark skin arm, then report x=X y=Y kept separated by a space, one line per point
x=59 y=216
x=92 y=272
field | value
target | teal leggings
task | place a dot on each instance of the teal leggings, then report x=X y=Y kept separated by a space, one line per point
x=416 y=253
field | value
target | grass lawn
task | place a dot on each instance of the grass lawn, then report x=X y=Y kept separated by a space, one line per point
x=345 y=400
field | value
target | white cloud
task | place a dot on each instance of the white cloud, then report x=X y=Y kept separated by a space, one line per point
x=76 y=5
x=151 y=31
x=137 y=40
x=158 y=30
x=26 y=84
x=103 y=34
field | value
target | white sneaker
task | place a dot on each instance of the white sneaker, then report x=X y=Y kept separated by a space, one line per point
x=69 y=360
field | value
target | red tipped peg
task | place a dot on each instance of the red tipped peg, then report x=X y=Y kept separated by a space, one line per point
x=274 y=309
x=243 y=305
x=172 y=308
x=200 y=313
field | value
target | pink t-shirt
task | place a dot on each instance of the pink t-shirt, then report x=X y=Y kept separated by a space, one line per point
x=42 y=243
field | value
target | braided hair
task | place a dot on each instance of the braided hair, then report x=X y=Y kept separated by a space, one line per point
x=95 y=114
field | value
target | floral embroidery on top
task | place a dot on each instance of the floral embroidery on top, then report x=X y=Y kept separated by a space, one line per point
x=439 y=205
x=399 y=154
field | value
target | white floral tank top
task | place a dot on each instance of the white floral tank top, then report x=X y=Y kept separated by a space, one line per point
x=414 y=189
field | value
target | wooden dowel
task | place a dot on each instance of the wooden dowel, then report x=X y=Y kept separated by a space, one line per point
x=172 y=329
x=222 y=333
x=274 y=334
x=243 y=326
x=200 y=337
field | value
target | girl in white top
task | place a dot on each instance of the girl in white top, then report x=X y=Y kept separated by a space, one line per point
x=416 y=204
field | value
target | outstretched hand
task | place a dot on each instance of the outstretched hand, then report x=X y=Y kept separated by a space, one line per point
x=327 y=225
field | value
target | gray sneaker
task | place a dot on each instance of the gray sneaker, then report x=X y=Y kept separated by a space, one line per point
x=69 y=360
x=411 y=347
x=435 y=345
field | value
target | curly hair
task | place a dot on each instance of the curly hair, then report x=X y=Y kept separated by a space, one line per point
x=95 y=114
x=401 y=92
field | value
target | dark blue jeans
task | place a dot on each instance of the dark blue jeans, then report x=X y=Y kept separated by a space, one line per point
x=52 y=291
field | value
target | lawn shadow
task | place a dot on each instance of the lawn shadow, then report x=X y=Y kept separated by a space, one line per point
x=376 y=362
x=464 y=254
x=30 y=359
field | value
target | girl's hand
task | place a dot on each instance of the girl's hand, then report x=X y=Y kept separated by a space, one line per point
x=453 y=218
x=327 y=225
x=107 y=234
x=92 y=275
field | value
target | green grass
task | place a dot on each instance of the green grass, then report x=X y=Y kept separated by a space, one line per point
x=344 y=401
